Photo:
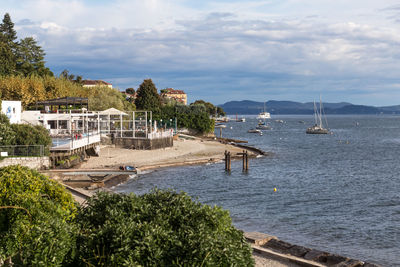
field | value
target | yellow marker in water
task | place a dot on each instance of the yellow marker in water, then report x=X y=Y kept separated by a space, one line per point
x=275 y=189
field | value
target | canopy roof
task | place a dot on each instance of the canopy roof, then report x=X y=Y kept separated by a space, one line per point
x=112 y=111
x=64 y=101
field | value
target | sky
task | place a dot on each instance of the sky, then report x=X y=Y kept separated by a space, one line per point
x=224 y=50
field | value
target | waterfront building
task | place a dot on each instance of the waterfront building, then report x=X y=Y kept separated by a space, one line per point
x=178 y=95
x=69 y=119
x=12 y=109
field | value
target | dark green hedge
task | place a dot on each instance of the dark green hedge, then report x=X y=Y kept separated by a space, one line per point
x=162 y=228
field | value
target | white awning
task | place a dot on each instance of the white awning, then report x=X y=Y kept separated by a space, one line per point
x=112 y=111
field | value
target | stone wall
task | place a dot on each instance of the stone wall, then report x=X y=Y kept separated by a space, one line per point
x=30 y=162
x=269 y=245
x=144 y=144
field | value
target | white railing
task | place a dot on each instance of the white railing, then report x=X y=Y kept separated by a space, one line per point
x=158 y=135
x=86 y=140
x=77 y=142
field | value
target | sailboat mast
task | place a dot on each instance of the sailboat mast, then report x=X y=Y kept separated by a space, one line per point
x=315 y=113
x=320 y=112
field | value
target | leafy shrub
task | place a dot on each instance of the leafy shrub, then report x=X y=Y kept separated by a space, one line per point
x=162 y=228
x=23 y=134
x=192 y=117
x=35 y=215
x=7 y=134
x=31 y=135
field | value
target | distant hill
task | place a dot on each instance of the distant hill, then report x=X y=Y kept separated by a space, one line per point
x=291 y=107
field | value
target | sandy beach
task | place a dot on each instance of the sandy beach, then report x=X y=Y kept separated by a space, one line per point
x=183 y=152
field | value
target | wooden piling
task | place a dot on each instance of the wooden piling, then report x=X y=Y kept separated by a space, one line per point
x=247 y=160
x=227 y=161
x=244 y=160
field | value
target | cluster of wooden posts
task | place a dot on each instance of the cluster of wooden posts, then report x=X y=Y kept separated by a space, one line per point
x=245 y=158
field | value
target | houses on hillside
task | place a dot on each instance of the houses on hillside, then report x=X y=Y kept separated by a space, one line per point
x=93 y=83
x=178 y=95
x=167 y=94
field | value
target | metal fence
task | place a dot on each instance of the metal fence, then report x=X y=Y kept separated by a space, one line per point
x=23 y=151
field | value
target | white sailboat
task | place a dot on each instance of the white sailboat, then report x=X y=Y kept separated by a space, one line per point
x=318 y=127
x=264 y=114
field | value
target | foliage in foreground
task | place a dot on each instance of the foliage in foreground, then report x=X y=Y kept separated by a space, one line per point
x=41 y=226
x=35 y=219
x=162 y=228
x=22 y=134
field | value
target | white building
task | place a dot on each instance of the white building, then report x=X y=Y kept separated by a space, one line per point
x=12 y=109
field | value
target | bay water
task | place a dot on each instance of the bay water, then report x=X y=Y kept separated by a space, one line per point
x=338 y=193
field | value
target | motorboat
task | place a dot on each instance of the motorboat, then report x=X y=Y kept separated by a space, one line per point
x=254 y=131
x=264 y=114
x=263 y=126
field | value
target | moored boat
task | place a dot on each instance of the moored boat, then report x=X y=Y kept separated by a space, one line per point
x=254 y=131
x=264 y=115
x=318 y=127
x=263 y=126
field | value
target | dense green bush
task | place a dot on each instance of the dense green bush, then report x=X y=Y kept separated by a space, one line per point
x=35 y=215
x=162 y=228
x=26 y=134
x=193 y=117
x=7 y=134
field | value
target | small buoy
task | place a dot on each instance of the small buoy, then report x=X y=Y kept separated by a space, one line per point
x=275 y=189
x=231 y=127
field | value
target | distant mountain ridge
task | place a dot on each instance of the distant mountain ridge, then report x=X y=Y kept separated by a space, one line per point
x=291 y=107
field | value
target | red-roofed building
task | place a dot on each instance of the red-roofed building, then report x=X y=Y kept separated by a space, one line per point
x=178 y=95
x=93 y=83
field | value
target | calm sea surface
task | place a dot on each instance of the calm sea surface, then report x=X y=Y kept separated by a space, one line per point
x=339 y=193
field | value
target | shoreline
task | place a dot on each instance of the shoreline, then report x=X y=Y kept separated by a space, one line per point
x=184 y=152
x=103 y=172
x=267 y=250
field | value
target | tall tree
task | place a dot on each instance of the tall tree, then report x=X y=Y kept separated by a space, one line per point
x=147 y=97
x=30 y=58
x=9 y=35
x=7 y=60
x=7 y=46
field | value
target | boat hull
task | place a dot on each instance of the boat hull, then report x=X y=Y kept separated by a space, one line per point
x=317 y=130
x=254 y=131
x=264 y=115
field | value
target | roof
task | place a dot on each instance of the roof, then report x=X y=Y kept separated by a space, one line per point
x=64 y=101
x=112 y=111
x=173 y=91
x=95 y=82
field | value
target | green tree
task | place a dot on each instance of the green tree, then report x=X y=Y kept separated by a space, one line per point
x=193 y=117
x=7 y=60
x=210 y=108
x=147 y=97
x=161 y=228
x=221 y=112
x=35 y=219
x=102 y=98
x=8 y=34
x=71 y=77
x=7 y=46
x=30 y=58
x=130 y=91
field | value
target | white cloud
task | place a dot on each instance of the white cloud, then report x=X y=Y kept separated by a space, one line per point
x=259 y=44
